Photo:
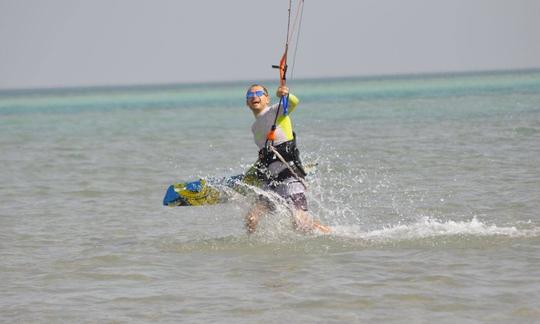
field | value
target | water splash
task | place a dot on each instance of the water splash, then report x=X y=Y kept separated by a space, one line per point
x=432 y=228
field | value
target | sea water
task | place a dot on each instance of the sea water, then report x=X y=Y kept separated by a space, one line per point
x=431 y=184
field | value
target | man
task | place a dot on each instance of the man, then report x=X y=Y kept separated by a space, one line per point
x=285 y=179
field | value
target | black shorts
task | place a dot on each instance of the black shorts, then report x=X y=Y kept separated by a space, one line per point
x=298 y=200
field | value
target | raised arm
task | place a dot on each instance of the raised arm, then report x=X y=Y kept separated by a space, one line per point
x=293 y=100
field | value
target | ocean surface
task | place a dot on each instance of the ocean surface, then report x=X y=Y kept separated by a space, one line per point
x=430 y=182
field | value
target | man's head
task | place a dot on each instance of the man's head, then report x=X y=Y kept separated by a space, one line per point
x=257 y=98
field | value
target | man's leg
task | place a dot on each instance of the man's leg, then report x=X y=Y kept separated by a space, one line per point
x=302 y=220
x=305 y=223
x=253 y=216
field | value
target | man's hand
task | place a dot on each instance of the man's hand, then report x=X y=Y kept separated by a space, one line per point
x=282 y=91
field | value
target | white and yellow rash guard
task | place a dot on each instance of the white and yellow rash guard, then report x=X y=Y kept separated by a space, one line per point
x=284 y=131
x=264 y=121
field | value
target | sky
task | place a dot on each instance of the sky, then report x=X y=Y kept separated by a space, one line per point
x=67 y=43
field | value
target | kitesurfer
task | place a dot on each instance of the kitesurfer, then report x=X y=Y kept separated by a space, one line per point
x=284 y=179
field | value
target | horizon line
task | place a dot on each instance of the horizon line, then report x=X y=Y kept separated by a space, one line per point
x=225 y=82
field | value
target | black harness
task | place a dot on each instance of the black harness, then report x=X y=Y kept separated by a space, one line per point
x=290 y=154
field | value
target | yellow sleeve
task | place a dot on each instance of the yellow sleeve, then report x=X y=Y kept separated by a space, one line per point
x=293 y=102
x=284 y=122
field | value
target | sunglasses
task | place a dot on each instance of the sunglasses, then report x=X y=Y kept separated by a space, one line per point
x=258 y=93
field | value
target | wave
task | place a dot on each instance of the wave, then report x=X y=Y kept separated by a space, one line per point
x=426 y=232
x=431 y=228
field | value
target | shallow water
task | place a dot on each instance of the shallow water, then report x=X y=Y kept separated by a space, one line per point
x=430 y=182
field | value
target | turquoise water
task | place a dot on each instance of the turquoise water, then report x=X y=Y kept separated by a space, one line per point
x=431 y=182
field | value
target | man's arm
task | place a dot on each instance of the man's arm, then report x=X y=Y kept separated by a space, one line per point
x=293 y=100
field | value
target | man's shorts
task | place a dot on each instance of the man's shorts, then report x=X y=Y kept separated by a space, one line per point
x=292 y=190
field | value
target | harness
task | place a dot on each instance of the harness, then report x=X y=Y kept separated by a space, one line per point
x=290 y=154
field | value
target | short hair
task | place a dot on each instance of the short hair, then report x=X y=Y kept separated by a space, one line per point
x=259 y=85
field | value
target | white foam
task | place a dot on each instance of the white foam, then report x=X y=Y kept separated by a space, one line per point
x=428 y=227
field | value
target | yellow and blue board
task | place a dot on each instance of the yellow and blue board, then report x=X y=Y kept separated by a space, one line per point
x=206 y=192
x=212 y=191
x=195 y=193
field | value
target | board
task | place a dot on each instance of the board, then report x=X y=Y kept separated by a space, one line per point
x=211 y=191
x=200 y=192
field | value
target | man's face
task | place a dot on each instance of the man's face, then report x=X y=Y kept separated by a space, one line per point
x=254 y=102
